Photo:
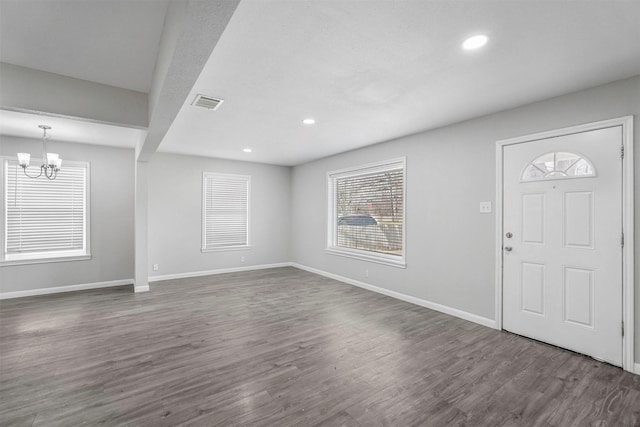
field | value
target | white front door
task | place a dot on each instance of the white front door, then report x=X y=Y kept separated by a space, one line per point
x=562 y=254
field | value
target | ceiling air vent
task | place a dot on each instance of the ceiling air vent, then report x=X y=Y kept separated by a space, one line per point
x=207 y=102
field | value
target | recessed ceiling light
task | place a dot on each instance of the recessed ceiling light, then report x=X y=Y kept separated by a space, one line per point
x=475 y=42
x=308 y=121
x=247 y=150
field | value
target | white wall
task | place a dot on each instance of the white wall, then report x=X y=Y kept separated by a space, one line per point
x=175 y=214
x=33 y=90
x=450 y=245
x=112 y=185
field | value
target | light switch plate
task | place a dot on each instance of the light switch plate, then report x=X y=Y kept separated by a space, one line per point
x=485 y=207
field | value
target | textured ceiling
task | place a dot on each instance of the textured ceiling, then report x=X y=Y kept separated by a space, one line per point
x=367 y=71
x=63 y=129
x=370 y=71
x=113 y=42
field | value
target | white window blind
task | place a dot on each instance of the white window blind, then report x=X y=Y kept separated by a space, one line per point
x=45 y=218
x=367 y=212
x=225 y=211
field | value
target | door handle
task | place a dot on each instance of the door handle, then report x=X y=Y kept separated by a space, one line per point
x=508 y=248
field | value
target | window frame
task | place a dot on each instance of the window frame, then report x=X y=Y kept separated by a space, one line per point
x=203 y=230
x=558 y=177
x=332 y=218
x=44 y=257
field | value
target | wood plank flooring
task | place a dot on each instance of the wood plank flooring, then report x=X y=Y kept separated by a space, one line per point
x=284 y=347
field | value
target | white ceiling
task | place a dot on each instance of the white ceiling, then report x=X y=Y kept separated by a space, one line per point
x=114 y=42
x=367 y=71
x=370 y=71
x=64 y=129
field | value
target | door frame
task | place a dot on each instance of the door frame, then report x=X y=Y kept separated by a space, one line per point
x=628 y=306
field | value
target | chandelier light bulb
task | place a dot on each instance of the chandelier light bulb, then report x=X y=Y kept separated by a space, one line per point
x=52 y=159
x=24 y=159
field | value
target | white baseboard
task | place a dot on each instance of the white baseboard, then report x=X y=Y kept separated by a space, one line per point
x=414 y=300
x=218 y=271
x=68 y=288
x=143 y=288
x=637 y=368
x=418 y=301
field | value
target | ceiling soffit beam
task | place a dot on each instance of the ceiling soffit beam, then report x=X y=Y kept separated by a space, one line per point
x=39 y=92
x=191 y=31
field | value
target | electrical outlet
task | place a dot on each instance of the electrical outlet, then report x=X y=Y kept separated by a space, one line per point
x=155 y=267
x=241 y=259
x=366 y=273
x=485 y=207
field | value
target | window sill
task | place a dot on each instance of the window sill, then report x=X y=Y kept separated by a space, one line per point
x=11 y=262
x=228 y=248
x=378 y=259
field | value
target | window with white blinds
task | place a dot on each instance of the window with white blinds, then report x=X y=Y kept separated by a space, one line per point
x=45 y=218
x=225 y=211
x=366 y=214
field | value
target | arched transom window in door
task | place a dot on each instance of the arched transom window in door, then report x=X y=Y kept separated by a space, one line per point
x=558 y=165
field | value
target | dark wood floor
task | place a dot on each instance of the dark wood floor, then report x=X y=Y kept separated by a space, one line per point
x=285 y=347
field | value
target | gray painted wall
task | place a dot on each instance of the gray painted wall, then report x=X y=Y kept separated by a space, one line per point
x=175 y=214
x=112 y=220
x=449 y=171
x=29 y=89
x=450 y=245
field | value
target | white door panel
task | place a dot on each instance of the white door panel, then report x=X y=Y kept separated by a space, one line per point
x=533 y=218
x=578 y=219
x=532 y=288
x=562 y=278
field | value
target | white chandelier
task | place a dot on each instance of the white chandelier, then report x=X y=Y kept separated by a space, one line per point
x=52 y=161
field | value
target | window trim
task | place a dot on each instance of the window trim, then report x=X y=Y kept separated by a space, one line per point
x=45 y=257
x=203 y=237
x=332 y=224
